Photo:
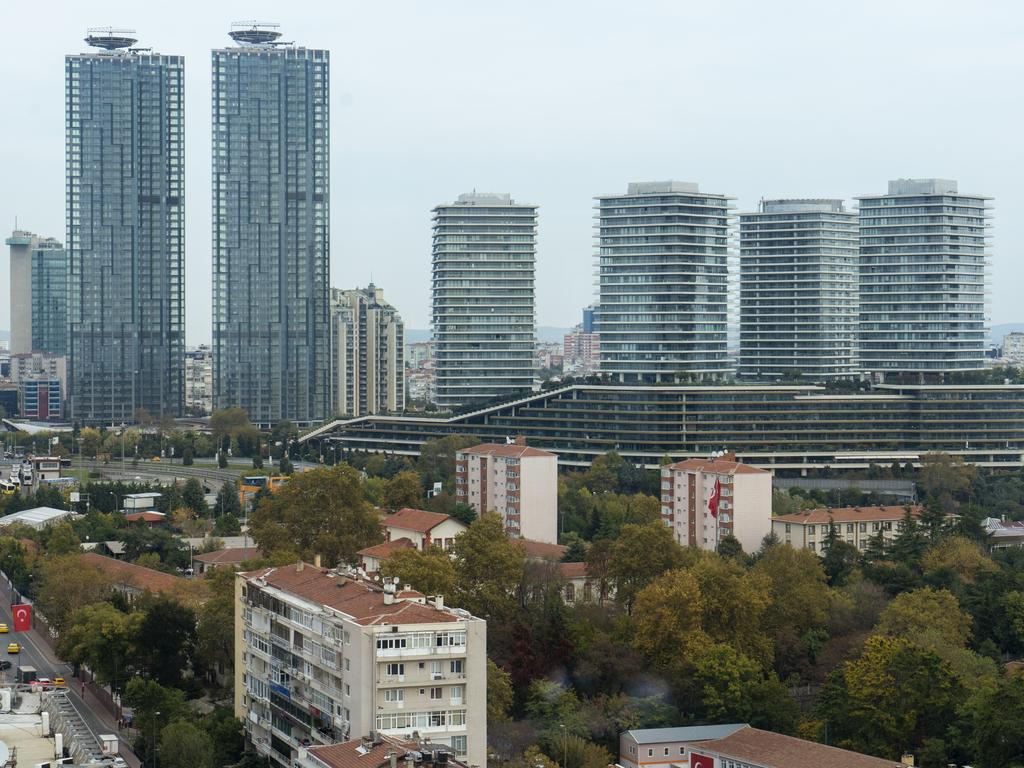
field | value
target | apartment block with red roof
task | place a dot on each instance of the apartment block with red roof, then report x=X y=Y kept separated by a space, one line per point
x=518 y=482
x=705 y=500
x=324 y=656
x=854 y=525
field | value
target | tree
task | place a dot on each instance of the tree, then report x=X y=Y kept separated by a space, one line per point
x=103 y=638
x=194 y=497
x=187 y=456
x=735 y=604
x=166 y=639
x=431 y=572
x=956 y=555
x=228 y=502
x=997 y=723
x=730 y=548
x=321 y=511
x=61 y=539
x=226 y=732
x=488 y=568
x=668 y=616
x=891 y=699
x=222 y=461
x=910 y=543
x=499 y=693
x=641 y=554
x=215 y=628
x=66 y=583
x=437 y=458
x=228 y=422
x=946 y=478
x=91 y=439
x=285 y=466
x=839 y=562
x=928 y=615
x=153 y=705
x=404 y=490
x=227 y=525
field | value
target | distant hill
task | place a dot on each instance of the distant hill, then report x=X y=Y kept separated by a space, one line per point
x=998 y=331
x=548 y=333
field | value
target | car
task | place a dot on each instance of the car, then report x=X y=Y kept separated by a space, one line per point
x=59 y=681
x=13 y=648
x=4 y=629
x=5 y=664
x=43 y=683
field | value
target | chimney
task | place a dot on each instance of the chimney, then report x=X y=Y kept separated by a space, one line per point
x=389 y=593
x=316 y=560
x=393 y=758
x=299 y=567
x=729 y=456
x=439 y=602
x=907 y=759
x=520 y=440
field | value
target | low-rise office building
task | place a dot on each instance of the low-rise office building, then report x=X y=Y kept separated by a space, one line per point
x=322 y=655
x=705 y=500
x=518 y=482
x=854 y=525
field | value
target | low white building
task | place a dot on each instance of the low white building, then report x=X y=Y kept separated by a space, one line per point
x=424 y=529
x=518 y=482
x=705 y=500
x=38 y=517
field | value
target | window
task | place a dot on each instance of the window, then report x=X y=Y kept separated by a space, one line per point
x=389 y=642
x=395 y=670
x=849 y=527
x=459 y=745
x=436 y=694
x=666 y=751
x=810 y=545
x=682 y=750
x=650 y=753
x=863 y=527
x=455 y=666
x=435 y=670
x=787 y=531
x=394 y=694
x=570 y=592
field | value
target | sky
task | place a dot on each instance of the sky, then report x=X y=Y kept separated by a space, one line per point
x=556 y=102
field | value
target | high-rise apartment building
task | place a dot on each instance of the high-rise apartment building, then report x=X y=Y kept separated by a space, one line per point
x=798 y=290
x=484 y=255
x=923 y=262
x=199 y=381
x=367 y=353
x=662 y=258
x=323 y=656
x=517 y=482
x=125 y=159
x=271 y=227
x=39 y=294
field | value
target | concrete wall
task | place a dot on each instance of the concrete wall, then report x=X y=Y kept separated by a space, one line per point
x=538 y=498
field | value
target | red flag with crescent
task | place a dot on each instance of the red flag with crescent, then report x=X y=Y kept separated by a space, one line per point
x=716 y=495
x=22 y=617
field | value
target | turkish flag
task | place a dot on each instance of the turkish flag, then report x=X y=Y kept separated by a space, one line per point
x=701 y=761
x=715 y=496
x=22 y=617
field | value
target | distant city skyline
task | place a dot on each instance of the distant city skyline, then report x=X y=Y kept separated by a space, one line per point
x=401 y=142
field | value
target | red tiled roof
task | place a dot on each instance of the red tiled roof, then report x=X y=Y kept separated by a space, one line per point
x=773 y=750
x=512 y=451
x=572 y=570
x=381 y=551
x=145 y=517
x=419 y=520
x=137 y=576
x=718 y=467
x=849 y=515
x=539 y=550
x=223 y=556
x=355 y=754
x=361 y=600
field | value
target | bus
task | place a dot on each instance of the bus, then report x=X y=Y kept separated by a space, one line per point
x=7 y=488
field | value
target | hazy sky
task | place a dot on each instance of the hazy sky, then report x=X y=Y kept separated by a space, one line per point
x=557 y=101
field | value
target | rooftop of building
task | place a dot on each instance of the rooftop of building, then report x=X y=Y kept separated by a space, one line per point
x=377 y=753
x=682 y=733
x=514 y=450
x=381 y=551
x=142 y=578
x=850 y=514
x=229 y=556
x=726 y=464
x=774 y=750
x=419 y=520
x=572 y=570
x=147 y=516
x=362 y=599
x=541 y=550
x=37 y=517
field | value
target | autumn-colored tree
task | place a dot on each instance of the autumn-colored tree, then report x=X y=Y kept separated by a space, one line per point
x=667 y=617
x=929 y=616
x=319 y=512
x=641 y=554
x=66 y=584
x=500 y=696
x=735 y=604
x=488 y=568
x=103 y=638
x=403 y=490
x=957 y=555
x=431 y=572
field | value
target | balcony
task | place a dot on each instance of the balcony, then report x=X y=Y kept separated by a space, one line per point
x=407 y=653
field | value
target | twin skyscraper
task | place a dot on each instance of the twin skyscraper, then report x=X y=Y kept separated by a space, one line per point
x=126 y=228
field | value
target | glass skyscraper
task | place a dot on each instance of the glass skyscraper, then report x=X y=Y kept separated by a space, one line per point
x=798 y=290
x=923 y=262
x=50 y=297
x=484 y=261
x=125 y=201
x=271 y=228
x=662 y=258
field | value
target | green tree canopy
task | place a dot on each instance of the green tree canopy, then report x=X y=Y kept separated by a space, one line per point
x=431 y=572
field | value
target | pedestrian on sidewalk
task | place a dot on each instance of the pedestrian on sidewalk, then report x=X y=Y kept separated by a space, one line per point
x=83 y=689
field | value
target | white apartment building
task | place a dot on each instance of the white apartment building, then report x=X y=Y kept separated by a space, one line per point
x=322 y=656
x=744 y=502
x=923 y=263
x=663 y=274
x=798 y=290
x=484 y=261
x=518 y=482
x=199 y=380
x=367 y=353
x=1013 y=347
x=854 y=525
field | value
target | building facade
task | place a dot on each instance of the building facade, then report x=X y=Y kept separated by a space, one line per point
x=798 y=427
x=40 y=399
x=39 y=294
x=367 y=352
x=857 y=526
x=199 y=381
x=125 y=159
x=705 y=500
x=1013 y=347
x=798 y=290
x=662 y=259
x=582 y=351
x=518 y=482
x=321 y=656
x=923 y=265
x=271 y=228
x=484 y=259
